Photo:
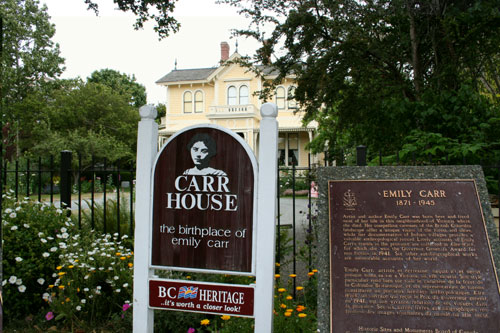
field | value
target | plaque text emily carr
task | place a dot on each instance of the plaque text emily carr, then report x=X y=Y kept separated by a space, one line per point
x=404 y=251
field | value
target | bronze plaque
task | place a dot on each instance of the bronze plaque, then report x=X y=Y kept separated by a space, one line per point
x=410 y=256
x=203 y=203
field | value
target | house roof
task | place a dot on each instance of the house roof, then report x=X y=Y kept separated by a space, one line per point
x=178 y=75
x=206 y=74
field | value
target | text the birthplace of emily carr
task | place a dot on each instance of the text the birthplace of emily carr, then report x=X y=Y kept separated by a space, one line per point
x=203 y=203
x=410 y=256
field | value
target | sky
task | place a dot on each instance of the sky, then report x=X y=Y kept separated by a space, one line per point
x=89 y=43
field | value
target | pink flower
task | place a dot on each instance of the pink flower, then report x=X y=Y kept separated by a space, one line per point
x=191 y=330
x=49 y=315
x=125 y=306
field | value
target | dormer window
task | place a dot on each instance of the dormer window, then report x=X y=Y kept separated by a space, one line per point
x=280 y=98
x=231 y=96
x=188 y=102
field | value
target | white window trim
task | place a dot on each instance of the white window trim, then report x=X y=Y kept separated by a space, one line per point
x=184 y=101
x=239 y=95
x=284 y=97
x=202 y=101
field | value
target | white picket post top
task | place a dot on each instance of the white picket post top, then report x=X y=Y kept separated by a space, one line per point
x=147 y=141
x=266 y=217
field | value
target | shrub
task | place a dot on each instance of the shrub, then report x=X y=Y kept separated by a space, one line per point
x=33 y=234
x=93 y=282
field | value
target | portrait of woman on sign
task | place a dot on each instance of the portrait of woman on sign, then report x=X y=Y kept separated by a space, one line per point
x=202 y=148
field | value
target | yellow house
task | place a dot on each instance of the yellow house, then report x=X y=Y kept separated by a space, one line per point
x=225 y=96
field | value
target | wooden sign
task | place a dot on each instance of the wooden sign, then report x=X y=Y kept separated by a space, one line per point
x=213 y=298
x=410 y=256
x=203 y=202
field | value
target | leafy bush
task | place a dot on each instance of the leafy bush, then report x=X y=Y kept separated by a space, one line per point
x=93 y=281
x=33 y=234
x=55 y=275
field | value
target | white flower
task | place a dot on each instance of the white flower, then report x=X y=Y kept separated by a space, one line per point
x=40 y=281
x=21 y=288
x=86 y=277
x=13 y=228
x=43 y=240
x=19 y=282
x=83 y=301
x=46 y=296
x=63 y=229
x=78 y=308
x=26 y=225
x=45 y=254
x=65 y=235
x=53 y=249
x=50 y=238
x=40 y=234
x=12 y=279
x=4 y=282
x=8 y=211
x=19 y=259
x=125 y=285
x=85 y=289
x=58 y=211
x=54 y=274
x=98 y=287
x=118 y=290
x=62 y=245
x=12 y=215
x=116 y=277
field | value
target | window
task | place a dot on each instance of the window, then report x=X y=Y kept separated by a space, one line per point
x=198 y=101
x=292 y=104
x=280 y=98
x=243 y=95
x=288 y=149
x=293 y=148
x=188 y=102
x=231 y=95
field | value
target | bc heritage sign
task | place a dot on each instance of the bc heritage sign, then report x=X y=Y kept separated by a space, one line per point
x=234 y=300
x=203 y=202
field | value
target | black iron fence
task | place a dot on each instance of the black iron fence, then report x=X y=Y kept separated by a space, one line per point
x=101 y=195
x=97 y=193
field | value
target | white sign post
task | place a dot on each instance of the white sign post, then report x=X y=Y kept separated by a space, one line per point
x=266 y=217
x=147 y=142
x=143 y=321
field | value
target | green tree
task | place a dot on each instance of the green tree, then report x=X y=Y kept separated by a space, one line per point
x=29 y=57
x=158 y=10
x=87 y=118
x=122 y=84
x=374 y=72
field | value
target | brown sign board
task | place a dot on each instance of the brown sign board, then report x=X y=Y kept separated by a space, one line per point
x=203 y=202
x=410 y=256
x=223 y=299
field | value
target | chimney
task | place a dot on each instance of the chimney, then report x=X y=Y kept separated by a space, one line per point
x=224 y=51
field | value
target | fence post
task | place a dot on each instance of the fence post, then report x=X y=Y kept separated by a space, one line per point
x=361 y=155
x=147 y=143
x=266 y=218
x=65 y=182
